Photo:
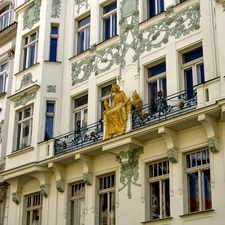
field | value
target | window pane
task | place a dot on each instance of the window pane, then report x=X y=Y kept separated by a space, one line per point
x=103 y=209
x=81 y=42
x=114 y=24
x=50 y=107
x=48 y=128
x=31 y=55
x=87 y=45
x=206 y=190
x=193 y=191
x=158 y=69
x=200 y=73
x=54 y=30
x=81 y=101
x=84 y=21
x=110 y=7
x=162 y=86
x=106 y=28
x=155 y=200
x=189 y=82
x=192 y=55
x=27 y=113
x=53 y=49
x=166 y=198
x=32 y=37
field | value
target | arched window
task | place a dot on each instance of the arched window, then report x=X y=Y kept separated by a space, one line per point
x=5 y=17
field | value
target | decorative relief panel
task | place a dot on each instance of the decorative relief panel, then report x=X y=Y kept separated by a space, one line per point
x=56 y=8
x=24 y=99
x=80 y=4
x=26 y=81
x=51 y=88
x=172 y=25
x=31 y=14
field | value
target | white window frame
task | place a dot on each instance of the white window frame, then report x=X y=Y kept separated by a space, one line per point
x=161 y=179
x=77 y=203
x=79 y=30
x=198 y=169
x=4 y=15
x=34 y=204
x=27 y=48
x=109 y=189
x=81 y=109
x=3 y=75
x=20 y=128
x=109 y=15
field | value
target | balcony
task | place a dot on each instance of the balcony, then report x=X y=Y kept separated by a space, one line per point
x=151 y=113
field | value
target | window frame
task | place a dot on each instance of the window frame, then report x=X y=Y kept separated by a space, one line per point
x=32 y=208
x=4 y=14
x=3 y=75
x=80 y=197
x=111 y=214
x=81 y=109
x=161 y=180
x=86 y=40
x=198 y=169
x=27 y=48
x=51 y=115
x=20 y=127
x=53 y=36
x=110 y=14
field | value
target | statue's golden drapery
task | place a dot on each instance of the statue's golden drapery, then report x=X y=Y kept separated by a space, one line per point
x=116 y=116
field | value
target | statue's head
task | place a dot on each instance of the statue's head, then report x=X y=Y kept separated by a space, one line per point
x=115 y=87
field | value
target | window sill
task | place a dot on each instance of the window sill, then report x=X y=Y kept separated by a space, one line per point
x=22 y=71
x=20 y=151
x=157 y=221
x=3 y=94
x=198 y=213
x=48 y=61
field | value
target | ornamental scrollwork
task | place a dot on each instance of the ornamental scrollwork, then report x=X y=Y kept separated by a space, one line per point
x=129 y=162
x=31 y=14
x=56 y=8
x=24 y=98
x=80 y=4
x=26 y=81
x=172 y=25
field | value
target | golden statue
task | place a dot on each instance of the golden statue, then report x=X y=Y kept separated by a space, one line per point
x=116 y=116
x=137 y=102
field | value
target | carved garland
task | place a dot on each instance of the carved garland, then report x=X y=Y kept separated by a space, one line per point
x=56 y=8
x=172 y=25
x=80 y=4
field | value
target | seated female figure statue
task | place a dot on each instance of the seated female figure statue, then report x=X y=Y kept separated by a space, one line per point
x=116 y=116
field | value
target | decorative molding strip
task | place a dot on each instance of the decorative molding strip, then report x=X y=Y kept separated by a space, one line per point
x=56 y=8
x=31 y=14
x=129 y=162
x=80 y=4
x=172 y=25
x=24 y=99
x=26 y=81
x=51 y=88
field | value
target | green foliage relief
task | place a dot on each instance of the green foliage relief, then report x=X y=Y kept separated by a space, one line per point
x=172 y=25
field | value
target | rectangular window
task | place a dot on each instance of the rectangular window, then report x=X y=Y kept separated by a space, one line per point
x=30 y=50
x=53 y=43
x=107 y=199
x=77 y=200
x=5 y=17
x=109 y=21
x=106 y=95
x=81 y=111
x=198 y=181
x=3 y=74
x=83 y=32
x=155 y=7
x=159 y=189
x=24 y=127
x=156 y=85
x=49 y=120
x=193 y=69
x=34 y=209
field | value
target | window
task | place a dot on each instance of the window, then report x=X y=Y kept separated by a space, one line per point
x=24 y=127
x=83 y=34
x=30 y=50
x=156 y=84
x=5 y=17
x=106 y=95
x=53 y=43
x=155 y=7
x=77 y=200
x=49 y=120
x=107 y=199
x=3 y=74
x=34 y=209
x=159 y=189
x=109 y=21
x=81 y=111
x=198 y=181
x=193 y=69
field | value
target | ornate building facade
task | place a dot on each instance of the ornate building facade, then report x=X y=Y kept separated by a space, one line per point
x=117 y=113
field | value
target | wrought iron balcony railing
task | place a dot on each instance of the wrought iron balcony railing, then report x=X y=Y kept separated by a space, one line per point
x=164 y=108
x=79 y=138
x=153 y=112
